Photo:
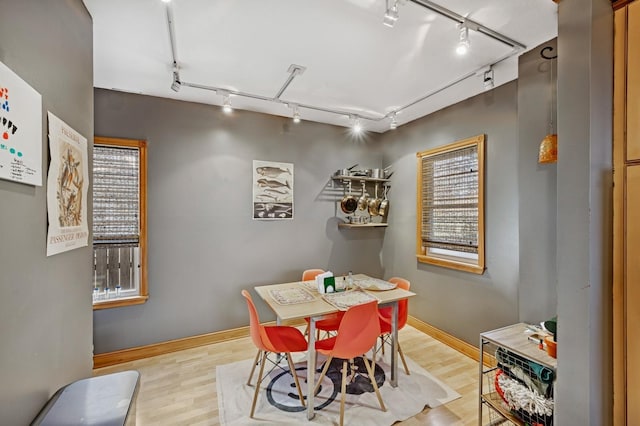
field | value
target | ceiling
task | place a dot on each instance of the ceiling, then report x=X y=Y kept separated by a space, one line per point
x=352 y=64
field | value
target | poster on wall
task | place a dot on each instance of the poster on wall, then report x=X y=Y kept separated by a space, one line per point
x=272 y=190
x=20 y=129
x=67 y=186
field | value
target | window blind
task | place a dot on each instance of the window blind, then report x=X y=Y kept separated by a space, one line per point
x=116 y=196
x=450 y=200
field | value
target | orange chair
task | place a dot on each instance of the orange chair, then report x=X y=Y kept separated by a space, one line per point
x=331 y=322
x=403 y=313
x=277 y=339
x=357 y=333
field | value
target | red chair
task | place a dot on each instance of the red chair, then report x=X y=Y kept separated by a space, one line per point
x=277 y=339
x=331 y=322
x=357 y=333
x=384 y=315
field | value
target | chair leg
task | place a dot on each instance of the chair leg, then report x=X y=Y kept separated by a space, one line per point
x=253 y=367
x=324 y=371
x=373 y=382
x=343 y=391
x=255 y=394
x=292 y=368
x=404 y=362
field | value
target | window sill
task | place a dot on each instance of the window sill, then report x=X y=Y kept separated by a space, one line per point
x=120 y=302
x=452 y=264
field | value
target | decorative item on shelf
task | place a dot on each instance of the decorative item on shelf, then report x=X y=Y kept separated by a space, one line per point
x=551 y=326
x=548 y=152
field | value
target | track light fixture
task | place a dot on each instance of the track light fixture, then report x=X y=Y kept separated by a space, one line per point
x=296 y=114
x=175 y=86
x=226 y=101
x=393 y=124
x=391 y=14
x=487 y=79
x=463 y=43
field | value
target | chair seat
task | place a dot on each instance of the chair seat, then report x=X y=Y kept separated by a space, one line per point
x=325 y=346
x=285 y=339
x=330 y=323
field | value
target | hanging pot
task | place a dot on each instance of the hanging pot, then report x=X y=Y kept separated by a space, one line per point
x=349 y=203
x=363 y=201
x=374 y=204
x=383 y=208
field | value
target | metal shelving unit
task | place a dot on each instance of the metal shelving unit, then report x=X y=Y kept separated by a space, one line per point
x=513 y=340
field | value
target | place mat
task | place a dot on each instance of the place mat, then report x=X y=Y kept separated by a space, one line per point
x=291 y=296
x=374 y=284
x=310 y=285
x=345 y=299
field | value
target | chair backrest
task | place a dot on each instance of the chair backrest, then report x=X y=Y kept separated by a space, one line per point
x=358 y=331
x=310 y=274
x=403 y=305
x=254 y=322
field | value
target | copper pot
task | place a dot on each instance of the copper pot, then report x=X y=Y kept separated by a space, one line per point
x=383 y=208
x=374 y=204
x=349 y=203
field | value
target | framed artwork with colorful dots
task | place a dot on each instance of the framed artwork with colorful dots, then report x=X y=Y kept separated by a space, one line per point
x=20 y=129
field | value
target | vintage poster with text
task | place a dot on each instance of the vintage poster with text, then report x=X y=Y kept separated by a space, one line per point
x=67 y=187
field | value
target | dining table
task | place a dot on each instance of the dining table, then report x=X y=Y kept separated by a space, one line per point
x=301 y=299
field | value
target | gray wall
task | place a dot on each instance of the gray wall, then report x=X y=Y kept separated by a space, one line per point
x=536 y=188
x=585 y=44
x=204 y=246
x=460 y=303
x=45 y=302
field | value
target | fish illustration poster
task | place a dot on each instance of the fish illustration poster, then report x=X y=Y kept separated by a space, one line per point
x=67 y=186
x=272 y=190
x=20 y=129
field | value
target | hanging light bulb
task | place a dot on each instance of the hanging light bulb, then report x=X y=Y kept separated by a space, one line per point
x=463 y=44
x=548 y=151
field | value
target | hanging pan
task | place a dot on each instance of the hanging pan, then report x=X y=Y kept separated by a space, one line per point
x=363 y=201
x=374 y=204
x=349 y=203
x=383 y=208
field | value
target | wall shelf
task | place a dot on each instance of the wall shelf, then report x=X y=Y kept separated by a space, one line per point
x=359 y=179
x=362 y=225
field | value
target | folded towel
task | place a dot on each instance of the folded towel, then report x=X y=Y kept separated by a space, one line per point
x=539 y=373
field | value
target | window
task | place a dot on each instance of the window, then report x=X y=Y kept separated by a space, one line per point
x=451 y=206
x=119 y=222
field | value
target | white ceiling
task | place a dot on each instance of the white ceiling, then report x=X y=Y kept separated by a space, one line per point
x=354 y=64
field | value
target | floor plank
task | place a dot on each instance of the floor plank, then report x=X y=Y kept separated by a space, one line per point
x=180 y=388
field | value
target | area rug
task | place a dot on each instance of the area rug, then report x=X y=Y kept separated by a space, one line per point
x=279 y=403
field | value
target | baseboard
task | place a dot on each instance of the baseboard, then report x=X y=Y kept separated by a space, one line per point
x=126 y=355
x=453 y=342
x=141 y=352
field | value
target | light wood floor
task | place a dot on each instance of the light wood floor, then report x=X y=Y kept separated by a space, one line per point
x=180 y=388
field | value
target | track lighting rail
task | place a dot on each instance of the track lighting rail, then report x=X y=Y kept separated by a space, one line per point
x=296 y=70
x=443 y=11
